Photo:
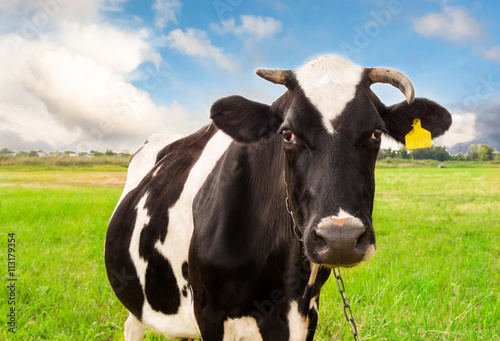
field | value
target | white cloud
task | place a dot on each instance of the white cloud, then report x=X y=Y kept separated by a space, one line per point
x=195 y=42
x=166 y=11
x=255 y=28
x=463 y=129
x=123 y=50
x=452 y=24
x=68 y=87
x=50 y=93
x=493 y=54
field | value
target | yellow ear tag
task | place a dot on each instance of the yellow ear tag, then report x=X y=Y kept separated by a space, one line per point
x=418 y=137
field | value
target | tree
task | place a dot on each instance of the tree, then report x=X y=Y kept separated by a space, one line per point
x=33 y=153
x=386 y=153
x=96 y=153
x=440 y=153
x=109 y=152
x=485 y=153
x=433 y=153
x=4 y=151
x=473 y=152
x=402 y=154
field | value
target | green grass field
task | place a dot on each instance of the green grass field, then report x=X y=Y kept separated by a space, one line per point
x=436 y=275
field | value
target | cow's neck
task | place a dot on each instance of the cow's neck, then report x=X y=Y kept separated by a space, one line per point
x=249 y=222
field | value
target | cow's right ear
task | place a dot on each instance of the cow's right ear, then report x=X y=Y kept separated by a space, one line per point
x=244 y=120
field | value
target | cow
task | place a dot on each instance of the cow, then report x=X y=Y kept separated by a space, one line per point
x=229 y=233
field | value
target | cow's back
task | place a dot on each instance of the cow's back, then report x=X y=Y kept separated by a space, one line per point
x=145 y=159
x=148 y=236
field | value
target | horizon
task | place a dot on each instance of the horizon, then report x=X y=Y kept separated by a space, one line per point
x=105 y=74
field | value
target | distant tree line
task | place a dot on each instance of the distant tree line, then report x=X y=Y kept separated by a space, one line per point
x=37 y=153
x=475 y=152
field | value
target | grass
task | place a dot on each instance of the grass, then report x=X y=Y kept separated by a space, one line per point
x=47 y=161
x=436 y=274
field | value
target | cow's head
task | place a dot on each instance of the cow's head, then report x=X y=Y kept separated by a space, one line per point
x=331 y=125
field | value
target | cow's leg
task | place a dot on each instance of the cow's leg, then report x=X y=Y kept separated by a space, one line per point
x=134 y=329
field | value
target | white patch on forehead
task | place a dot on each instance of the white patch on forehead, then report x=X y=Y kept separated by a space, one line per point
x=330 y=83
x=244 y=328
x=340 y=220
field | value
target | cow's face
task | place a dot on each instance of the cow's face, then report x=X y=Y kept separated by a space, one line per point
x=330 y=125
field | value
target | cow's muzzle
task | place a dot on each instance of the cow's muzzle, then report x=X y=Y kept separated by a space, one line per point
x=339 y=242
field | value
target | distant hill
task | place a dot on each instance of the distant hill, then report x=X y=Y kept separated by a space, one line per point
x=492 y=140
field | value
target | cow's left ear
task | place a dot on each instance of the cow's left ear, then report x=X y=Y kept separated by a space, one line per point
x=244 y=120
x=399 y=118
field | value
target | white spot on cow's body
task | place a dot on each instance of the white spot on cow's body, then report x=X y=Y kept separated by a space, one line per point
x=134 y=329
x=297 y=323
x=175 y=248
x=314 y=304
x=330 y=83
x=370 y=252
x=340 y=220
x=155 y=173
x=141 y=221
x=241 y=329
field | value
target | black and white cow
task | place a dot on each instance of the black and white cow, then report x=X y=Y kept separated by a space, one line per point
x=201 y=244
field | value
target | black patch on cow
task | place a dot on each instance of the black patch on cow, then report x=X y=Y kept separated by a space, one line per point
x=185 y=270
x=244 y=120
x=162 y=190
x=161 y=286
x=305 y=301
x=120 y=269
x=313 y=322
x=399 y=118
x=184 y=291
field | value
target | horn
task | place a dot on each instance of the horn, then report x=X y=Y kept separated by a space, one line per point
x=395 y=78
x=275 y=76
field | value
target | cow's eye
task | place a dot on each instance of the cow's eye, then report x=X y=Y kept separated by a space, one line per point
x=288 y=136
x=377 y=134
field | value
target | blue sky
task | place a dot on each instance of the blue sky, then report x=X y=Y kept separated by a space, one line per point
x=81 y=75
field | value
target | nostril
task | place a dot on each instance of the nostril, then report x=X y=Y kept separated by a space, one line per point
x=320 y=243
x=361 y=242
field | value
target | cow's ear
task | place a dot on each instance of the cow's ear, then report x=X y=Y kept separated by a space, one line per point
x=398 y=118
x=244 y=120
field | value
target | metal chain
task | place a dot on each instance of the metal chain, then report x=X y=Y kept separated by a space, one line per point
x=338 y=278
x=347 y=308
x=296 y=229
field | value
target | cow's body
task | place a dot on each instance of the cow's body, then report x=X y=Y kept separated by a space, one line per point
x=168 y=308
x=201 y=245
